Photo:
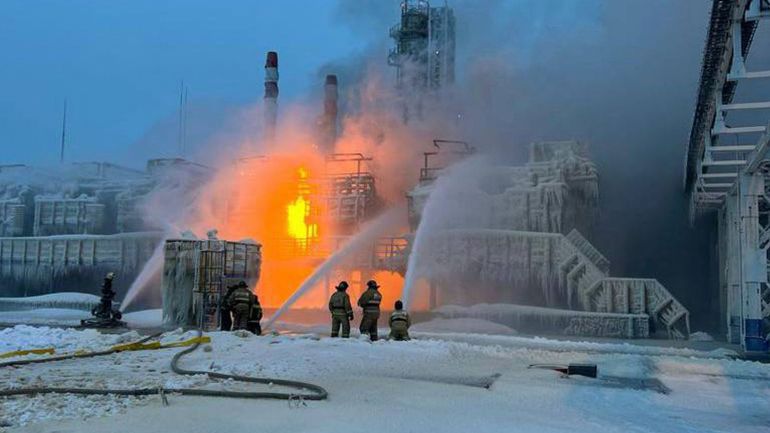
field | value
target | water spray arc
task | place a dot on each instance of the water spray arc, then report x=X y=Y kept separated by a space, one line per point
x=368 y=234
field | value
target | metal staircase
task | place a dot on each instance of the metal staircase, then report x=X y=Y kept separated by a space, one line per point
x=589 y=251
x=640 y=296
x=583 y=276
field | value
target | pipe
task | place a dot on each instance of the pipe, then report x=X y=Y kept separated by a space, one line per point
x=329 y=120
x=271 y=95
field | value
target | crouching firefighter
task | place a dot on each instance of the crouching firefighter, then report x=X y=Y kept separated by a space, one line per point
x=239 y=302
x=399 y=323
x=255 y=315
x=370 y=303
x=342 y=311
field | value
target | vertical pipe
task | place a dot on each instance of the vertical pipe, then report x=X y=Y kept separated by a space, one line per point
x=63 y=133
x=329 y=121
x=271 y=95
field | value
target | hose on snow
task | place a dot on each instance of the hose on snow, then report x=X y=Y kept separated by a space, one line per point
x=308 y=391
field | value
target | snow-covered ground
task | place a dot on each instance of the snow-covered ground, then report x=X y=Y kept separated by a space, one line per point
x=464 y=325
x=433 y=383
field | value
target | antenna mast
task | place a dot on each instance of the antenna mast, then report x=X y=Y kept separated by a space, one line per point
x=63 y=132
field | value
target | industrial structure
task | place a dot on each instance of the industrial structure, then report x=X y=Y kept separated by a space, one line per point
x=68 y=226
x=519 y=243
x=424 y=55
x=529 y=253
x=196 y=274
x=727 y=168
x=328 y=122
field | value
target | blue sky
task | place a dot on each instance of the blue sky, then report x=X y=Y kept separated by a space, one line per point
x=119 y=64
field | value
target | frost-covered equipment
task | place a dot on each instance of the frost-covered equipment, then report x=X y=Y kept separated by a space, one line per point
x=39 y=265
x=196 y=274
x=731 y=177
x=12 y=213
x=54 y=215
x=352 y=194
x=509 y=247
x=424 y=55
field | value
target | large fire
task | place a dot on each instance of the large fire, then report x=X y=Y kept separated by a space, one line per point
x=298 y=213
x=280 y=200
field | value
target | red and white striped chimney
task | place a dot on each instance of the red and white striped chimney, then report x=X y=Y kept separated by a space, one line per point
x=271 y=94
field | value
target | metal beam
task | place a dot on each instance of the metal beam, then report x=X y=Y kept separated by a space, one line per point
x=738 y=130
x=737 y=148
x=716 y=185
x=749 y=76
x=731 y=162
x=746 y=106
x=718 y=175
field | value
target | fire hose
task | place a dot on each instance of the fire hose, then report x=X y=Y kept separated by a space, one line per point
x=316 y=392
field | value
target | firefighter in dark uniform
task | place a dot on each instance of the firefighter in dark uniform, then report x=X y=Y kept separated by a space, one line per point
x=370 y=303
x=226 y=320
x=255 y=315
x=342 y=311
x=239 y=302
x=104 y=309
x=399 y=323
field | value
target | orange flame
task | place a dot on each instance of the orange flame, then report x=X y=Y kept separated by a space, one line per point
x=298 y=213
x=280 y=200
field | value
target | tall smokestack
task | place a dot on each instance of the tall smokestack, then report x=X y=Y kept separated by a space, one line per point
x=271 y=94
x=329 y=120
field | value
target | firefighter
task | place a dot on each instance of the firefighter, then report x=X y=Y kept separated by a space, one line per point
x=226 y=320
x=239 y=302
x=370 y=303
x=105 y=316
x=104 y=309
x=255 y=315
x=399 y=323
x=342 y=311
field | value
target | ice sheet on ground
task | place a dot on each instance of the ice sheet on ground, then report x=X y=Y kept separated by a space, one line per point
x=69 y=317
x=463 y=325
x=69 y=300
x=44 y=316
x=144 y=318
x=701 y=336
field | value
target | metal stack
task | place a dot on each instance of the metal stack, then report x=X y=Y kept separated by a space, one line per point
x=271 y=94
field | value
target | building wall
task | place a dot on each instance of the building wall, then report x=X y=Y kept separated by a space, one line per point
x=38 y=265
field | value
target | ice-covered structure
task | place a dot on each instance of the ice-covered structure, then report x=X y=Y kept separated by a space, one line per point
x=196 y=274
x=64 y=227
x=514 y=237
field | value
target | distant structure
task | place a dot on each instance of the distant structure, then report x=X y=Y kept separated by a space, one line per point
x=727 y=166
x=424 y=55
x=65 y=228
x=271 y=95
